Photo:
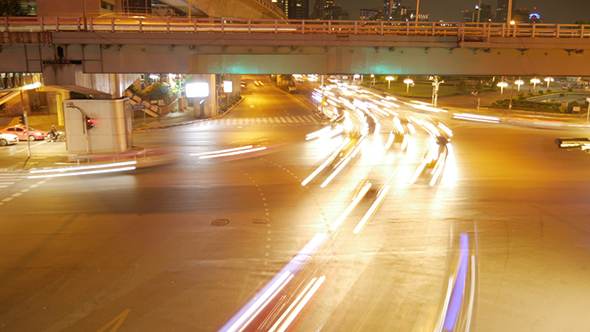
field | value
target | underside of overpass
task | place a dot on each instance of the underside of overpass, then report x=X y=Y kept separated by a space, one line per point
x=222 y=53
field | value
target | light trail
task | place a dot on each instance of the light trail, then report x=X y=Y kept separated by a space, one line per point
x=233 y=153
x=54 y=170
x=221 y=151
x=302 y=304
x=325 y=164
x=372 y=209
x=245 y=316
x=446 y=129
x=478 y=118
x=351 y=207
x=327 y=181
x=122 y=169
x=278 y=322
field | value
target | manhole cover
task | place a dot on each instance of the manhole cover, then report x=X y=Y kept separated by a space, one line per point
x=261 y=221
x=220 y=222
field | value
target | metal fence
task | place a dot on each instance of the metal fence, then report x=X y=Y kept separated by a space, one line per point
x=463 y=31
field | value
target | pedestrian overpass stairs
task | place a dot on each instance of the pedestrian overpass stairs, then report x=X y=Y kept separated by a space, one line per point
x=151 y=110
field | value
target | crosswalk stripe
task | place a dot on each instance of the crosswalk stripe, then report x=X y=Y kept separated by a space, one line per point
x=248 y=121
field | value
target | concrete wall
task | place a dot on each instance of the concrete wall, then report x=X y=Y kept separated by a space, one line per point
x=112 y=129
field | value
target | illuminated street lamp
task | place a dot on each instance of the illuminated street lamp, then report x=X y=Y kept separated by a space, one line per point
x=502 y=85
x=535 y=81
x=408 y=81
x=519 y=82
x=548 y=80
x=389 y=79
x=435 y=85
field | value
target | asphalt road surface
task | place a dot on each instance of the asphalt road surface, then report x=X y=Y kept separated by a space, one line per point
x=500 y=243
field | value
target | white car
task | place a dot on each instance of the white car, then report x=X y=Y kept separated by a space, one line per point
x=8 y=139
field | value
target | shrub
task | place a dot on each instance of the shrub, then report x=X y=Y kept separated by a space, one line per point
x=158 y=90
x=570 y=89
x=462 y=87
x=540 y=92
x=549 y=90
x=570 y=106
x=520 y=96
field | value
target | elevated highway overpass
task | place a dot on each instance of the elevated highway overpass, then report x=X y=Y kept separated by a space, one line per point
x=246 y=46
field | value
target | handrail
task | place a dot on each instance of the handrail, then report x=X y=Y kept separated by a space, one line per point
x=463 y=31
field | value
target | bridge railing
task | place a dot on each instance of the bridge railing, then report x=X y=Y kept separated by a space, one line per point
x=463 y=31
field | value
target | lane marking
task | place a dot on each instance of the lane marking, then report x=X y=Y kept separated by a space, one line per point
x=117 y=321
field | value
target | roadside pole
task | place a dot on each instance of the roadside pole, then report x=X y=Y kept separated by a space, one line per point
x=26 y=116
x=511 y=94
x=588 y=110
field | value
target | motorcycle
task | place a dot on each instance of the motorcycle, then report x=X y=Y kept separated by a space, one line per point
x=60 y=136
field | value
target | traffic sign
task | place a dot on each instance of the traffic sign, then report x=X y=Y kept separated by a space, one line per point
x=138 y=107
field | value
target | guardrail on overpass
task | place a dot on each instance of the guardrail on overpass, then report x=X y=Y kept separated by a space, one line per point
x=249 y=46
x=463 y=31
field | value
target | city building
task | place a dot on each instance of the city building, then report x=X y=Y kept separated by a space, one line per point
x=484 y=12
x=392 y=10
x=336 y=12
x=320 y=9
x=369 y=14
x=501 y=13
x=295 y=9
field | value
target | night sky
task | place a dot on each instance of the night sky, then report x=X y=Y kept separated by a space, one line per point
x=552 y=11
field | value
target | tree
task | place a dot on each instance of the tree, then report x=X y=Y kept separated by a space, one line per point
x=10 y=8
x=462 y=87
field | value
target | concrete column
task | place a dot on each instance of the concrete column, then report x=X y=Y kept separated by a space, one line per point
x=55 y=103
x=209 y=104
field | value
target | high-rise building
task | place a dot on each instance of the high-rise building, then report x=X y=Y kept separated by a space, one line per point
x=501 y=14
x=335 y=12
x=368 y=14
x=296 y=9
x=320 y=9
x=392 y=10
x=484 y=12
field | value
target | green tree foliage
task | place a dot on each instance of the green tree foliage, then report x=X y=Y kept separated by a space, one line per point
x=158 y=90
x=10 y=8
x=462 y=87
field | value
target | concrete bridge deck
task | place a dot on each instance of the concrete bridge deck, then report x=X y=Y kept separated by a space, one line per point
x=246 y=46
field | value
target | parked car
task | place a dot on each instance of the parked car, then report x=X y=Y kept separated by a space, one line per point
x=8 y=139
x=21 y=132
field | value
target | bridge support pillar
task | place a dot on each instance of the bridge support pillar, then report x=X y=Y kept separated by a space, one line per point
x=206 y=107
x=112 y=130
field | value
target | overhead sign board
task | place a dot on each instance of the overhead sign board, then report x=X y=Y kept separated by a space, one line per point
x=138 y=107
x=197 y=90
x=228 y=86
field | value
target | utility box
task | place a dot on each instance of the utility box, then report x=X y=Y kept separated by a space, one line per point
x=112 y=126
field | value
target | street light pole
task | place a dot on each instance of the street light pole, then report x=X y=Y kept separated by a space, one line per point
x=511 y=94
x=417 y=10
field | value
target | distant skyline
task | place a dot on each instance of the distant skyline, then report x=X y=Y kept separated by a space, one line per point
x=552 y=11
